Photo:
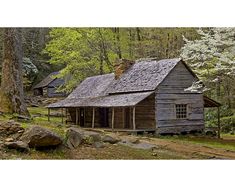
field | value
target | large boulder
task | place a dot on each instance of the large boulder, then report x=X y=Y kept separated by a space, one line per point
x=74 y=137
x=91 y=137
x=98 y=145
x=39 y=137
x=18 y=145
x=10 y=127
x=110 y=139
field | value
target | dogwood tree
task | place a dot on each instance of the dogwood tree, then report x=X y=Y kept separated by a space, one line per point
x=212 y=57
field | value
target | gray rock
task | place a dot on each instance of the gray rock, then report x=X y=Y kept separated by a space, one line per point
x=10 y=127
x=34 y=105
x=21 y=117
x=98 y=145
x=92 y=136
x=110 y=139
x=74 y=137
x=39 y=137
x=18 y=145
x=9 y=140
x=134 y=140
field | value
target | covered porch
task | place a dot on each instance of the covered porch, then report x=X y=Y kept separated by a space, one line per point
x=134 y=112
x=210 y=103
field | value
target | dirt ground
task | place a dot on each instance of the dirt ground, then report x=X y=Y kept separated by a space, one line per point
x=130 y=148
x=191 y=151
x=152 y=148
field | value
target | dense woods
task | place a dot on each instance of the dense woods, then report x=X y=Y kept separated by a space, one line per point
x=83 y=52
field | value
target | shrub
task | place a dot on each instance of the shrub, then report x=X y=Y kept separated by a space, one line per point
x=227 y=124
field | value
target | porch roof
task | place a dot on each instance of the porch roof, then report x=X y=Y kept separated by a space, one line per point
x=116 y=100
x=208 y=102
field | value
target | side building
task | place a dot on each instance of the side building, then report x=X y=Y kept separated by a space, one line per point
x=47 y=87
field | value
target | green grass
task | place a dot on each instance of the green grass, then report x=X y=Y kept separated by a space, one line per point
x=55 y=123
x=204 y=141
x=37 y=110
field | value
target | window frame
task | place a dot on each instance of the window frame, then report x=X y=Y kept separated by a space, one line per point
x=187 y=111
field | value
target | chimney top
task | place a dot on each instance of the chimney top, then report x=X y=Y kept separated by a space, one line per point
x=121 y=66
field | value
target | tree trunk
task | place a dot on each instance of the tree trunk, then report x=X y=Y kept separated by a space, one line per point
x=11 y=95
x=119 y=52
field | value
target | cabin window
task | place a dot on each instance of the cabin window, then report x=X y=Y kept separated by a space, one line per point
x=181 y=111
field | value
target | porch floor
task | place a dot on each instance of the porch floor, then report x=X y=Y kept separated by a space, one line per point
x=120 y=130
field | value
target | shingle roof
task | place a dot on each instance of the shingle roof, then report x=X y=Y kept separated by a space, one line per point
x=105 y=91
x=119 y=100
x=46 y=81
x=93 y=87
x=144 y=76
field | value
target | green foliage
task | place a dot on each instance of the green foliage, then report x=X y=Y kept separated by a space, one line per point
x=85 y=52
x=227 y=120
x=227 y=124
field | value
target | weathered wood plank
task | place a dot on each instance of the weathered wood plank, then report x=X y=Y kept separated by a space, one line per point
x=93 y=117
x=112 y=118
x=134 y=125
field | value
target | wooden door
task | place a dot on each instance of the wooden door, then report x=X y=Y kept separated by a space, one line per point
x=127 y=118
x=104 y=120
x=82 y=117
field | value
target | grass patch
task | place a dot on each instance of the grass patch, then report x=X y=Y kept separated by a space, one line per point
x=228 y=144
x=37 y=110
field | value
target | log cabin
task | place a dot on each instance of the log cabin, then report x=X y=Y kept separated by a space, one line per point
x=145 y=95
x=48 y=86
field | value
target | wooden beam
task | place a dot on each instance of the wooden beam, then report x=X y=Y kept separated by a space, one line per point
x=76 y=116
x=112 y=119
x=93 y=117
x=123 y=116
x=219 y=128
x=66 y=115
x=49 y=111
x=84 y=114
x=130 y=111
x=134 y=127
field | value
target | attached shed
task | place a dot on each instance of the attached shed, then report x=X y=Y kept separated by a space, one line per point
x=47 y=87
x=148 y=95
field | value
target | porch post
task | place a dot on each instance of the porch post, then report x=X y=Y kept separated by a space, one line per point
x=66 y=115
x=123 y=117
x=93 y=117
x=134 y=127
x=76 y=116
x=62 y=114
x=49 y=111
x=219 y=128
x=112 y=119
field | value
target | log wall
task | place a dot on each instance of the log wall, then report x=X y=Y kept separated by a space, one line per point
x=51 y=88
x=171 y=92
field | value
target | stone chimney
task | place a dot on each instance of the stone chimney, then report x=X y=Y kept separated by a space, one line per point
x=121 y=66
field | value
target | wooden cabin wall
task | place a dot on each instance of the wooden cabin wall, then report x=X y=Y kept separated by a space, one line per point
x=177 y=80
x=118 y=118
x=171 y=92
x=72 y=114
x=145 y=113
x=88 y=117
x=51 y=88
